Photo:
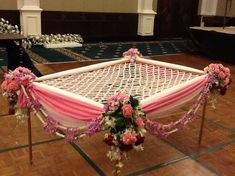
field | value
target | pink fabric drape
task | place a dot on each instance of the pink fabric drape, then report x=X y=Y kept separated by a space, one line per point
x=67 y=106
x=22 y=100
x=83 y=111
x=174 y=97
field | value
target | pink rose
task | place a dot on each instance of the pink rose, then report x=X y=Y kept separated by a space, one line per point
x=227 y=81
x=121 y=97
x=221 y=75
x=129 y=138
x=23 y=70
x=15 y=73
x=4 y=85
x=127 y=110
x=12 y=86
x=140 y=122
x=216 y=70
x=227 y=71
x=25 y=81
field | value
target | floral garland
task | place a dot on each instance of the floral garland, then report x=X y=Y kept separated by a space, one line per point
x=52 y=126
x=132 y=54
x=57 y=38
x=219 y=79
x=16 y=88
x=123 y=122
x=164 y=130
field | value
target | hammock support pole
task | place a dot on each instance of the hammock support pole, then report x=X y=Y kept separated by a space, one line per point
x=30 y=137
x=202 y=122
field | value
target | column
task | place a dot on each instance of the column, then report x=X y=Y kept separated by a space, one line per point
x=207 y=8
x=30 y=16
x=146 y=17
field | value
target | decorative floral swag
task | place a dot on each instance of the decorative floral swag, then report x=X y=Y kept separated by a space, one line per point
x=123 y=121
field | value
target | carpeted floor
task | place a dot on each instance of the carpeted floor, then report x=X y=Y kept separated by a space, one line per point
x=3 y=57
x=39 y=54
x=115 y=50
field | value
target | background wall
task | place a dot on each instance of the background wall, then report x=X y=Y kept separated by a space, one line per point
x=122 y=6
x=8 y=4
x=174 y=17
x=108 y=19
x=95 y=20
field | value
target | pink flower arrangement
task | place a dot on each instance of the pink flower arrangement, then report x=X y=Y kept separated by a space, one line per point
x=13 y=80
x=132 y=54
x=124 y=121
x=220 y=77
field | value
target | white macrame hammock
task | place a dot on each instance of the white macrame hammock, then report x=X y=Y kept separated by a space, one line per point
x=159 y=87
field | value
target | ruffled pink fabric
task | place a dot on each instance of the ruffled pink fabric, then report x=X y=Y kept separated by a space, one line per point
x=83 y=111
x=67 y=106
x=168 y=101
x=22 y=100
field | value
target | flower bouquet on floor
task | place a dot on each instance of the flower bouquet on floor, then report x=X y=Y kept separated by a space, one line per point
x=124 y=124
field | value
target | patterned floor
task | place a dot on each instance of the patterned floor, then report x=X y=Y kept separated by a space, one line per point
x=115 y=50
x=3 y=56
x=40 y=54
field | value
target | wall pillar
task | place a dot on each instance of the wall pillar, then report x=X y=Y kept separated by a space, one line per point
x=146 y=17
x=30 y=16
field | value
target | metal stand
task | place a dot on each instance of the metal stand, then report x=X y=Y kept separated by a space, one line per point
x=202 y=122
x=30 y=137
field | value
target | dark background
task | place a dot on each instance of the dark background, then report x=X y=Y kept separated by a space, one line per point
x=172 y=21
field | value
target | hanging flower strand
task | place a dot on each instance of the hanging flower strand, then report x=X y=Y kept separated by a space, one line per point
x=219 y=79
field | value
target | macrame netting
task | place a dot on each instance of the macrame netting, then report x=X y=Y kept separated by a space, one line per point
x=136 y=79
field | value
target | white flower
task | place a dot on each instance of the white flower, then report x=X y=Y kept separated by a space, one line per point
x=109 y=122
x=142 y=131
x=119 y=164
x=114 y=154
x=138 y=147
